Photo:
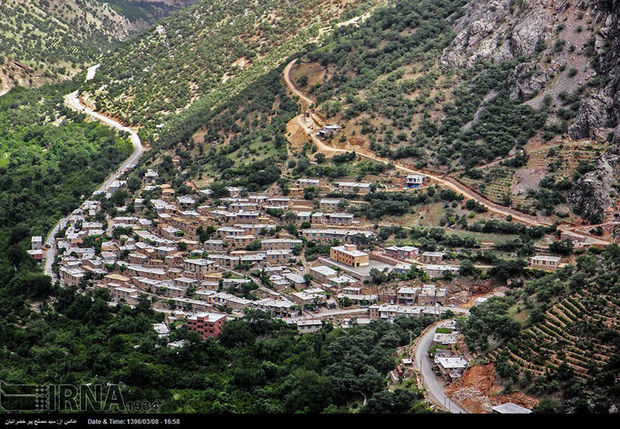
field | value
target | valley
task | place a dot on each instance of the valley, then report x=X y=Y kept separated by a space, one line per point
x=313 y=206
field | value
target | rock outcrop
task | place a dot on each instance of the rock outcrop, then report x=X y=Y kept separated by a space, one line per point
x=502 y=30
x=592 y=117
x=528 y=79
x=591 y=194
x=553 y=37
x=498 y=31
x=601 y=111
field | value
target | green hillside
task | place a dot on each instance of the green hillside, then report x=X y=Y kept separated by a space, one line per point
x=207 y=53
x=558 y=336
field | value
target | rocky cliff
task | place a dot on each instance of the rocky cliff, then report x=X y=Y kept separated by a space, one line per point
x=561 y=47
x=601 y=112
x=592 y=194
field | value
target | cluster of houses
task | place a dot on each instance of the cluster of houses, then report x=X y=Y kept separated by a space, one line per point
x=447 y=361
x=158 y=249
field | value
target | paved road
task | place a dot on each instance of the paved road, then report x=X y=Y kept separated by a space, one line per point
x=432 y=383
x=90 y=74
x=72 y=101
x=445 y=181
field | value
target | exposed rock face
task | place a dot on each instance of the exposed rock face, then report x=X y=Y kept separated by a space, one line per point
x=152 y=11
x=503 y=30
x=527 y=80
x=493 y=30
x=591 y=194
x=591 y=117
x=602 y=109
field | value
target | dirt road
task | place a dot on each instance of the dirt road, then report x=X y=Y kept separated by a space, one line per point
x=444 y=181
x=307 y=102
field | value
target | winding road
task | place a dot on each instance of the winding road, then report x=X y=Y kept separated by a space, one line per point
x=72 y=100
x=445 y=181
x=432 y=383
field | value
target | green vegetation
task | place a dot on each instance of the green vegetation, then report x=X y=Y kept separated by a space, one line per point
x=566 y=341
x=170 y=67
x=52 y=38
x=142 y=10
x=385 y=80
x=379 y=204
x=49 y=169
x=259 y=365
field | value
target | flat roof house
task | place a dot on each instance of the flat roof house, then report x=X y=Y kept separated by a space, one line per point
x=353 y=187
x=432 y=256
x=402 y=252
x=308 y=183
x=407 y=295
x=340 y=219
x=434 y=270
x=206 y=324
x=329 y=205
x=308 y=326
x=322 y=273
x=452 y=367
x=36 y=242
x=199 y=266
x=349 y=255
x=328 y=130
x=510 y=408
x=544 y=262
x=414 y=181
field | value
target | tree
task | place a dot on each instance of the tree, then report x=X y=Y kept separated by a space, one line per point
x=305 y=390
x=377 y=277
x=564 y=247
x=547 y=406
x=467 y=268
x=400 y=401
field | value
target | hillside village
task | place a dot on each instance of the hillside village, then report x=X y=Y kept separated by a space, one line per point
x=410 y=216
x=202 y=259
x=250 y=258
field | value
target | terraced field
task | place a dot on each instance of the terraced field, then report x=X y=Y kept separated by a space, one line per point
x=573 y=331
x=563 y=160
x=496 y=184
x=560 y=160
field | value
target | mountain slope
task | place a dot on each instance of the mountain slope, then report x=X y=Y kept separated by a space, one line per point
x=143 y=13
x=558 y=336
x=208 y=51
x=45 y=40
x=474 y=88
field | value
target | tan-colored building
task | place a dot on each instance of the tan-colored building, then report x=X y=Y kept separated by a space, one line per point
x=329 y=205
x=340 y=219
x=242 y=241
x=349 y=255
x=543 y=262
x=200 y=267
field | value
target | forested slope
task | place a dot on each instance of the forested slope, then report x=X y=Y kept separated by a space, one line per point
x=43 y=40
x=46 y=40
x=475 y=88
x=258 y=365
x=206 y=53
